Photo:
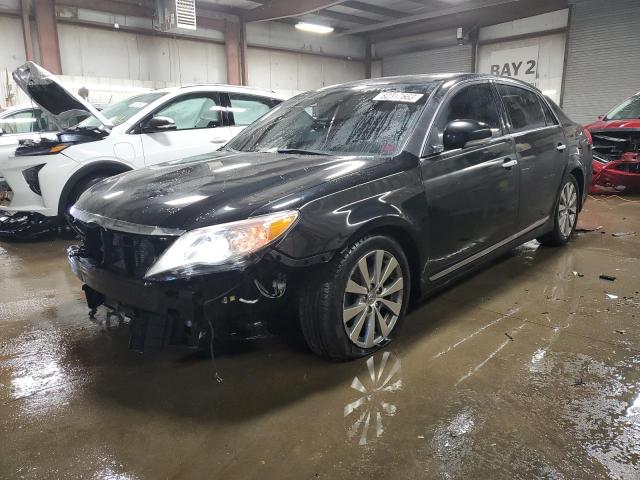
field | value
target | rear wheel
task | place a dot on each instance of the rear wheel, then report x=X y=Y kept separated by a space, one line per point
x=355 y=305
x=565 y=216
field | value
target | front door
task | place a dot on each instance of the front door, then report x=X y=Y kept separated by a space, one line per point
x=199 y=129
x=472 y=192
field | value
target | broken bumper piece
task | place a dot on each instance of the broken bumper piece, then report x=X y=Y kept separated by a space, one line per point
x=25 y=225
x=617 y=176
x=176 y=312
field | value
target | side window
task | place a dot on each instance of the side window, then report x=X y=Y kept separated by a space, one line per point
x=194 y=111
x=549 y=117
x=524 y=108
x=475 y=102
x=247 y=109
x=20 y=122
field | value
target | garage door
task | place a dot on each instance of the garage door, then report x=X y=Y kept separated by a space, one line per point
x=602 y=61
x=442 y=60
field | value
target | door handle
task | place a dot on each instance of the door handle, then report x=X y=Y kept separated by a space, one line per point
x=509 y=164
x=561 y=147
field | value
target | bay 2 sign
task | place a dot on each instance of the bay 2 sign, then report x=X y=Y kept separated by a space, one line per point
x=520 y=63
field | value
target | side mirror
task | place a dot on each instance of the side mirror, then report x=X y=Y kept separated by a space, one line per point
x=460 y=132
x=1 y=132
x=158 y=124
x=600 y=117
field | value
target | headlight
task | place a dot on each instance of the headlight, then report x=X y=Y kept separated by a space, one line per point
x=30 y=149
x=223 y=244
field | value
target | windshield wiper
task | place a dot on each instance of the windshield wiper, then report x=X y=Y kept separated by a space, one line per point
x=302 y=151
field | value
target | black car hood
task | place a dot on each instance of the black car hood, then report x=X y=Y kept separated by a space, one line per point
x=219 y=187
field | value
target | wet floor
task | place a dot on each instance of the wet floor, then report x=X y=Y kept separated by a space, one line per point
x=528 y=369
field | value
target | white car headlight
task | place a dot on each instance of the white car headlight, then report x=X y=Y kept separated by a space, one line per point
x=223 y=244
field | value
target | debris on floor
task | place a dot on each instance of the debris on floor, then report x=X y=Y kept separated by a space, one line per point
x=624 y=234
x=607 y=277
x=587 y=229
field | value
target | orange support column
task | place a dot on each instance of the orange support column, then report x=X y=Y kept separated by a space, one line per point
x=233 y=52
x=48 y=35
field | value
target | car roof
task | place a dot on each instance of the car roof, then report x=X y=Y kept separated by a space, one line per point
x=420 y=79
x=221 y=87
x=17 y=108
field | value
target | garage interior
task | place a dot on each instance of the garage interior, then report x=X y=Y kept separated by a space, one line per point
x=526 y=369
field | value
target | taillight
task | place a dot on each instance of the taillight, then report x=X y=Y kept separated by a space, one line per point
x=588 y=136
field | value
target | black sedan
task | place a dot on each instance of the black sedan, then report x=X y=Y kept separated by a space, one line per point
x=346 y=203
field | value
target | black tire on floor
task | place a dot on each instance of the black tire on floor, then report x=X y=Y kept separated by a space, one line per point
x=80 y=187
x=83 y=185
x=321 y=300
x=556 y=238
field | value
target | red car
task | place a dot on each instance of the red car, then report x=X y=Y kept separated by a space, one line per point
x=616 y=145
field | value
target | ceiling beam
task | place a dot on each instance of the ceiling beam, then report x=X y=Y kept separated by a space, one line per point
x=277 y=9
x=429 y=13
x=343 y=17
x=366 y=7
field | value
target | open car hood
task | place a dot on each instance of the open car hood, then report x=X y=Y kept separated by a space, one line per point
x=46 y=90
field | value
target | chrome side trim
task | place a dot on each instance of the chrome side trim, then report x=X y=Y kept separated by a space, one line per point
x=486 y=251
x=123 y=226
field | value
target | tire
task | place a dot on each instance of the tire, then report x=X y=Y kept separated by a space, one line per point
x=565 y=214
x=80 y=187
x=330 y=297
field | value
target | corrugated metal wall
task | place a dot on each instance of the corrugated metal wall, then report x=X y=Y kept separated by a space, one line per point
x=442 y=60
x=603 y=66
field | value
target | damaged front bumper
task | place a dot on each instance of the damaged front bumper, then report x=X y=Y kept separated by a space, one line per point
x=179 y=312
x=26 y=225
x=616 y=162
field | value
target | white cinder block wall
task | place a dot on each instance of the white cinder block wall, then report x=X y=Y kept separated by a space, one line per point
x=114 y=63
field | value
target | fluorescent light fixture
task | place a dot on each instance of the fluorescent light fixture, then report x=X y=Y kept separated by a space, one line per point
x=314 y=28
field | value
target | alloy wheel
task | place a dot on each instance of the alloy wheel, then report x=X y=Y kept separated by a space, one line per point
x=567 y=209
x=373 y=299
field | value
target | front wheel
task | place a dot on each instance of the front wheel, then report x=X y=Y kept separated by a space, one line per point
x=565 y=215
x=354 y=305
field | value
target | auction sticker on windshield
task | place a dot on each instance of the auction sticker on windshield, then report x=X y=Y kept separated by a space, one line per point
x=398 y=97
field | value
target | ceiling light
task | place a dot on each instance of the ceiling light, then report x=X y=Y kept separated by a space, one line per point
x=312 y=27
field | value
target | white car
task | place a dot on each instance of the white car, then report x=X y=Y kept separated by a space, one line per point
x=24 y=122
x=44 y=178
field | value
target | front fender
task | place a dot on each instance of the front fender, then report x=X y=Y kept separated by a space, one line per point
x=335 y=221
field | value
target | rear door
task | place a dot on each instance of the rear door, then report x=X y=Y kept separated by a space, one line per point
x=540 y=148
x=472 y=192
x=200 y=128
x=244 y=109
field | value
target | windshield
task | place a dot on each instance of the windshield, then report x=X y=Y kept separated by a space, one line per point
x=122 y=111
x=628 y=109
x=343 y=120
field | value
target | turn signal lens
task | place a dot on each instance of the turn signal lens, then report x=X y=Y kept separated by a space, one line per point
x=59 y=147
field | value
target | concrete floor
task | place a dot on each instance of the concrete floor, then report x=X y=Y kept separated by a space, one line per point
x=529 y=369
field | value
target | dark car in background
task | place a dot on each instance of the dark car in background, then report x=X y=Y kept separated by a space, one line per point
x=616 y=149
x=342 y=204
